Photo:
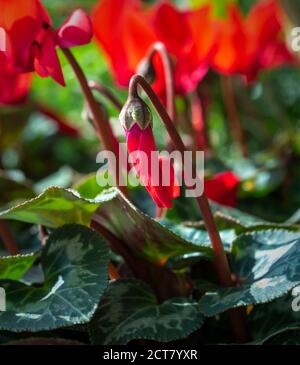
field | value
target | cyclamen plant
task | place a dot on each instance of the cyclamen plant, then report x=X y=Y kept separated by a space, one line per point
x=123 y=264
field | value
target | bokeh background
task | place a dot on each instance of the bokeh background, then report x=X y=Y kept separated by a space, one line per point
x=269 y=109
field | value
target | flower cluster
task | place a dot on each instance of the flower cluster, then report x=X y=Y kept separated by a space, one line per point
x=195 y=39
x=30 y=45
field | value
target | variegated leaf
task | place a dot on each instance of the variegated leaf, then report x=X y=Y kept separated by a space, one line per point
x=267 y=263
x=74 y=262
x=129 y=310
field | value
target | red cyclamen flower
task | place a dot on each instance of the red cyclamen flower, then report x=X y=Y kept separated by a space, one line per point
x=14 y=87
x=247 y=45
x=222 y=188
x=14 y=90
x=30 y=40
x=126 y=29
x=137 y=121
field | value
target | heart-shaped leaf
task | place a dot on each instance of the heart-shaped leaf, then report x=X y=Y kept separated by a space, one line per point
x=129 y=310
x=267 y=263
x=74 y=262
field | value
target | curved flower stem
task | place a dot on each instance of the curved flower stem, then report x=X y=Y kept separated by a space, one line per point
x=8 y=239
x=101 y=126
x=220 y=258
x=200 y=122
x=233 y=115
x=103 y=90
x=161 y=49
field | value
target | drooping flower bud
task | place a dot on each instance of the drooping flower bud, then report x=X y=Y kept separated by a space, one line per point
x=136 y=119
x=135 y=111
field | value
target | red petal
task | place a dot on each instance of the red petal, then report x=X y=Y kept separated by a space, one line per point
x=171 y=28
x=46 y=61
x=222 y=188
x=230 y=52
x=109 y=18
x=76 y=30
x=138 y=37
x=23 y=21
x=13 y=10
x=14 y=87
x=142 y=140
x=203 y=29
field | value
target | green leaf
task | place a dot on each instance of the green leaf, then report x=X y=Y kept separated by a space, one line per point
x=129 y=310
x=14 y=267
x=53 y=208
x=196 y=235
x=74 y=262
x=290 y=338
x=267 y=263
x=87 y=187
x=226 y=217
x=270 y=319
x=242 y=222
x=147 y=237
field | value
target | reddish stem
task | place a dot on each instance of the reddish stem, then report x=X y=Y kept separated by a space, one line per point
x=233 y=115
x=102 y=127
x=160 y=48
x=200 y=122
x=103 y=90
x=113 y=272
x=8 y=239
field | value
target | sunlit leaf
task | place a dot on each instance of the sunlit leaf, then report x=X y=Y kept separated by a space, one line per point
x=267 y=264
x=14 y=267
x=147 y=237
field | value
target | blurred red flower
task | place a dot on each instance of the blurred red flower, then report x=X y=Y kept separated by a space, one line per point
x=195 y=39
x=126 y=31
x=31 y=41
x=222 y=188
x=14 y=90
x=247 y=45
x=14 y=87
